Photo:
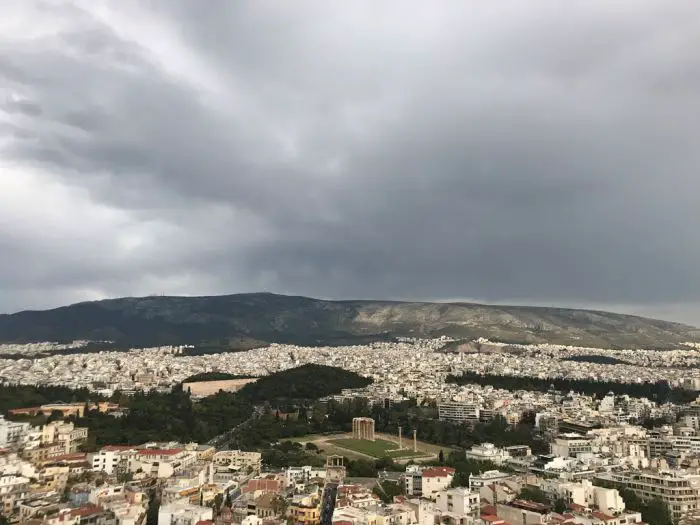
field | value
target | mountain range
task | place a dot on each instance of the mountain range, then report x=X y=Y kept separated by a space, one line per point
x=240 y=321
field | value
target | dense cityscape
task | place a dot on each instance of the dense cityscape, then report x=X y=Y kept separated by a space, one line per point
x=467 y=432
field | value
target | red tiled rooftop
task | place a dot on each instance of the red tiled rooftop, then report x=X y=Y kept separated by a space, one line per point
x=117 y=448
x=603 y=516
x=271 y=485
x=438 y=472
x=86 y=510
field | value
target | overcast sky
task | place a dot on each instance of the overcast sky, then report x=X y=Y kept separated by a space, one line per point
x=540 y=152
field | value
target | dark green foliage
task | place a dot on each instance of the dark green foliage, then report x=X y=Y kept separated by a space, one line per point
x=531 y=493
x=289 y=454
x=661 y=392
x=153 y=508
x=657 y=512
x=441 y=457
x=304 y=382
x=361 y=468
x=560 y=506
x=388 y=464
x=25 y=396
x=155 y=416
x=653 y=511
x=386 y=490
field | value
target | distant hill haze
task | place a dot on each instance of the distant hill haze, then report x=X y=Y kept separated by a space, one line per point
x=230 y=322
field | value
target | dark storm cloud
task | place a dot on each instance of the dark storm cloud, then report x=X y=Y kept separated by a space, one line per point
x=393 y=151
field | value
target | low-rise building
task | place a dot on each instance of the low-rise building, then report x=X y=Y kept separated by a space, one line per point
x=239 y=460
x=13 y=490
x=183 y=513
x=12 y=432
x=488 y=452
x=111 y=458
x=64 y=433
x=427 y=482
x=458 y=503
x=585 y=494
x=571 y=445
x=295 y=475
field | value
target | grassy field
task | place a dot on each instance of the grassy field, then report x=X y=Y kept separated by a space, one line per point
x=332 y=444
x=378 y=448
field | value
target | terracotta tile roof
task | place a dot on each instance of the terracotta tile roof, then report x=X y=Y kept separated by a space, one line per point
x=602 y=516
x=271 y=485
x=86 y=510
x=438 y=472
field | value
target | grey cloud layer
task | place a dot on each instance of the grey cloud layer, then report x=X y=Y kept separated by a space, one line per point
x=393 y=150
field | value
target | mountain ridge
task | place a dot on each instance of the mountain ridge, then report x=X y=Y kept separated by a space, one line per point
x=240 y=321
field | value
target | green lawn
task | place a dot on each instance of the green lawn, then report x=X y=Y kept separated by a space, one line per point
x=379 y=448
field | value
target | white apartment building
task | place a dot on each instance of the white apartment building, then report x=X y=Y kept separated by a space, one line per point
x=65 y=433
x=586 y=494
x=488 y=452
x=162 y=463
x=12 y=432
x=13 y=490
x=413 y=481
x=571 y=445
x=294 y=475
x=679 y=490
x=476 y=481
x=183 y=513
x=458 y=412
x=435 y=479
x=110 y=458
x=458 y=503
x=238 y=460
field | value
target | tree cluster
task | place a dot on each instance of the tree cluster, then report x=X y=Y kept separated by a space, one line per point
x=157 y=416
x=24 y=396
x=303 y=383
x=661 y=391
